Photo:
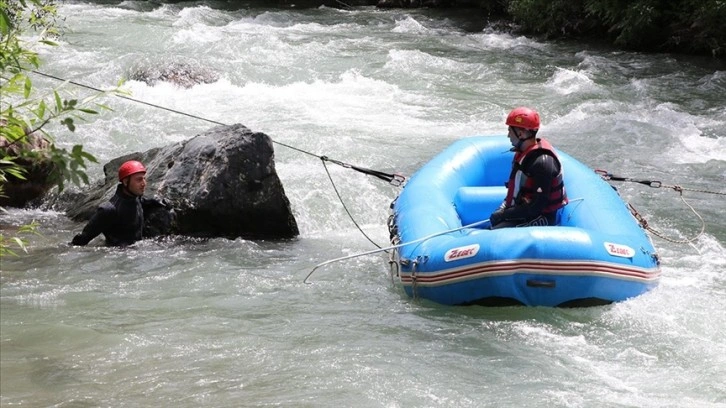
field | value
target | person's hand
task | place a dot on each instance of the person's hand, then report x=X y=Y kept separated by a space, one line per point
x=497 y=216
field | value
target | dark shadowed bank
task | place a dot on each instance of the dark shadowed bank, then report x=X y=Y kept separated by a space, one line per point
x=680 y=26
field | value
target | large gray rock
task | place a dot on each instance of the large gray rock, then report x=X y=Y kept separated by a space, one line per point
x=221 y=183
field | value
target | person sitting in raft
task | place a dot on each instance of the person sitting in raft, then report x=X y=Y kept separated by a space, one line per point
x=121 y=219
x=535 y=190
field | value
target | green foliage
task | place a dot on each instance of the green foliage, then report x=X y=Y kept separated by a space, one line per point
x=702 y=25
x=551 y=18
x=694 y=26
x=16 y=242
x=25 y=114
x=633 y=24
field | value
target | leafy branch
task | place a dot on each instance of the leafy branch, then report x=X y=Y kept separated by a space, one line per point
x=7 y=244
x=25 y=116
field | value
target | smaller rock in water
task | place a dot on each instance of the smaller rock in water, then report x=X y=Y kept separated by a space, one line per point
x=183 y=74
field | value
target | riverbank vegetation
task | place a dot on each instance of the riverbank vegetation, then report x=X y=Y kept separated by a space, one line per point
x=679 y=26
x=683 y=26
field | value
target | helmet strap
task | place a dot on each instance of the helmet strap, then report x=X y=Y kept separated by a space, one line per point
x=125 y=186
x=519 y=144
x=529 y=134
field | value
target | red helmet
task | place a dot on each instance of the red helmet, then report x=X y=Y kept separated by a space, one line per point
x=523 y=117
x=130 y=167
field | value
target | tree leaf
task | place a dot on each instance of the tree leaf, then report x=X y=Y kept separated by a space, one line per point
x=58 y=102
x=5 y=23
x=6 y=250
x=27 y=88
x=41 y=109
x=17 y=172
x=20 y=243
x=104 y=107
x=88 y=156
x=69 y=124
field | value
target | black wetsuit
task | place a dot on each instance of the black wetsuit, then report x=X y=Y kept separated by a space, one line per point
x=542 y=169
x=120 y=220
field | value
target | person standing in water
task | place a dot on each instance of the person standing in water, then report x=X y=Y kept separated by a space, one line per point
x=121 y=219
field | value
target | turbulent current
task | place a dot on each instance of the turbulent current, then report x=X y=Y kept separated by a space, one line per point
x=226 y=323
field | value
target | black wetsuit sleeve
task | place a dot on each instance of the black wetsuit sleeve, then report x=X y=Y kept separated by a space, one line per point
x=542 y=170
x=99 y=223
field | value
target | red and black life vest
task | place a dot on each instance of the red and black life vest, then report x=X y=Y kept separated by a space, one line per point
x=520 y=187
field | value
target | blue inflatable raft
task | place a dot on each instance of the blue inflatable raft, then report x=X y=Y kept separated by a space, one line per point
x=597 y=254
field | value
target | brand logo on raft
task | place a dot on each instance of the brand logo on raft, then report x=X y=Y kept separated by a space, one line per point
x=461 y=252
x=622 y=251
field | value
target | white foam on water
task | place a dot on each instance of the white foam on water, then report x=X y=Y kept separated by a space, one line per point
x=409 y=25
x=503 y=41
x=96 y=12
x=566 y=81
x=416 y=62
x=691 y=146
x=198 y=16
x=197 y=34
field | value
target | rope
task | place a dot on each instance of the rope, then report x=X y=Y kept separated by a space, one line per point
x=394 y=179
x=128 y=98
x=474 y=224
x=348 y=6
x=414 y=280
x=393 y=267
x=644 y=223
x=653 y=183
x=657 y=184
x=346 y=207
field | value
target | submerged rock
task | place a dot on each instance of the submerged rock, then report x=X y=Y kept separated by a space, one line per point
x=221 y=183
x=181 y=73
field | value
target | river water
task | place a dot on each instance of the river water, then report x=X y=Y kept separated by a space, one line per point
x=187 y=323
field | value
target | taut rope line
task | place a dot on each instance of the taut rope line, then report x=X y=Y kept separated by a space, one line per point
x=393 y=179
x=128 y=98
x=345 y=207
x=653 y=183
x=657 y=184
